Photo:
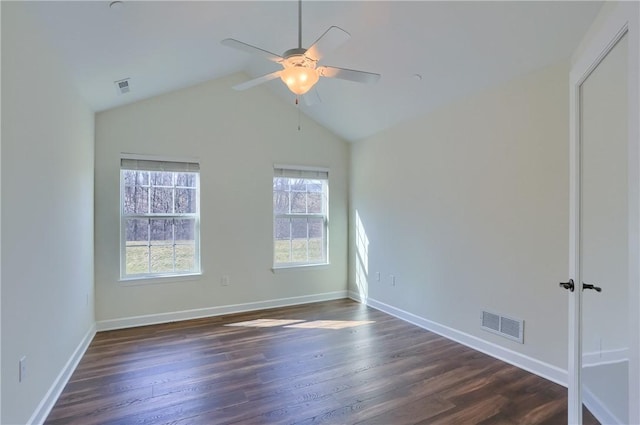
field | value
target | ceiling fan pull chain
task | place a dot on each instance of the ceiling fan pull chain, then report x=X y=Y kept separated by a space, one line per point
x=298 y=106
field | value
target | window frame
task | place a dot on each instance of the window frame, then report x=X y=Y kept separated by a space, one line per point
x=306 y=173
x=174 y=166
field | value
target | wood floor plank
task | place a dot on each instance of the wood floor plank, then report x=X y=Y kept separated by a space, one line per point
x=329 y=367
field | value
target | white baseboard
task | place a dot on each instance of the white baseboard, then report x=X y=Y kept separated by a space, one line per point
x=598 y=408
x=545 y=370
x=49 y=400
x=154 y=319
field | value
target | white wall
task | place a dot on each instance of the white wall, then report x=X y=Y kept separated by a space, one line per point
x=47 y=216
x=237 y=136
x=468 y=208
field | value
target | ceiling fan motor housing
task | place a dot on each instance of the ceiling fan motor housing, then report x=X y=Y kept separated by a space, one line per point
x=294 y=52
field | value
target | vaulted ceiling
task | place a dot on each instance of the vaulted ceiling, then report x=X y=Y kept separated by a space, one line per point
x=428 y=52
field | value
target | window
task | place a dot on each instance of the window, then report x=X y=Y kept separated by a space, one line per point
x=300 y=216
x=159 y=218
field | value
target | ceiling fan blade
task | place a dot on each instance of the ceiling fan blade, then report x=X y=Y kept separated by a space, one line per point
x=239 y=45
x=348 y=74
x=256 y=81
x=332 y=38
x=312 y=97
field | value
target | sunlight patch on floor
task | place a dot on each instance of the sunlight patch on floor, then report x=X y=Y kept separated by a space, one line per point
x=330 y=324
x=302 y=324
x=264 y=323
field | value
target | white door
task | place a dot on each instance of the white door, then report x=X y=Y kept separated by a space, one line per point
x=604 y=213
x=603 y=249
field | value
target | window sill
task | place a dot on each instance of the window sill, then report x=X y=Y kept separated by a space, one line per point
x=153 y=280
x=304 y=267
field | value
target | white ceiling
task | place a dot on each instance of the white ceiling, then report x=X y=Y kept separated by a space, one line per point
x=457 y=47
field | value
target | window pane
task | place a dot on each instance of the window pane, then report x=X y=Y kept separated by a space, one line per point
x=316 y=227
x=129 y=177
x=137 y=259
x=298 y=228
x=316 y=250
x=299 y=250
x=161 y=200
x=282 y=228
x=298 y=185
x=136 y=200
x=161 y=178
x=280 y=183
x=161 y=258
x=314 y=185
x=185 y=257
x=282 y=251
x=186 y=201
x=281 y=202
x=298 y=202
x=137 y=230
x=142 y=178
x=162 y=231
x=186 y=179
x=185 y=230
x=314 y=202
x=136 y=178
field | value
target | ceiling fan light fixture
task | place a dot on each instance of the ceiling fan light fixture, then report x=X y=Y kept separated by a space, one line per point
x=299 y=74
x=299 y=79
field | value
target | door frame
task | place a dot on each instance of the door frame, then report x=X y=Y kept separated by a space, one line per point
x=622 y=19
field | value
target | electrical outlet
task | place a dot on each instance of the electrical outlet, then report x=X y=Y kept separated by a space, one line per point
x=224 y=280
x=393 y=280
x=22 y=372
x=377 y=276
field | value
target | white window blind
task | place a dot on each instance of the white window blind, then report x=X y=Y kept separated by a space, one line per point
x=153 y=165
x=298 y=173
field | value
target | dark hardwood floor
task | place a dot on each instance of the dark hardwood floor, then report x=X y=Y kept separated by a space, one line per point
x=340 y=363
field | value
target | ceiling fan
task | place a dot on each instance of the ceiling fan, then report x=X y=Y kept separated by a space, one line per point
x=300 y=66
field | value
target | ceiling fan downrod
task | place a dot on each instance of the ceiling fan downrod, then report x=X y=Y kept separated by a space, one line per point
x=299 y=24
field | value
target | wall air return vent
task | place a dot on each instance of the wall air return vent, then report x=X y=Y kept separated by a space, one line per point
x=123 y=86
x=504 y=326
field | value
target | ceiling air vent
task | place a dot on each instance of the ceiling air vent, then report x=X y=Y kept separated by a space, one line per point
x=123 y=86
x=503 y=326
